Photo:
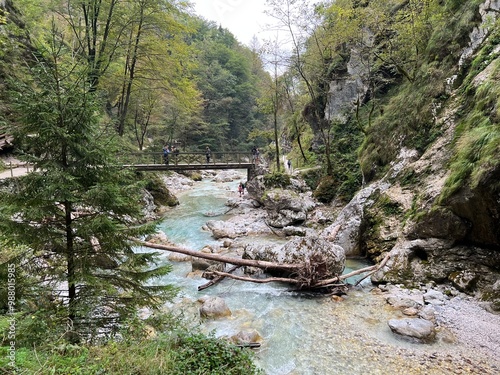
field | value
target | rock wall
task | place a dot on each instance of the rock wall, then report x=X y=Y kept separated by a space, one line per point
x=455 y=241
x=348 y=88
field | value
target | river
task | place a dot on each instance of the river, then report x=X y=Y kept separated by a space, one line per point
x=303 y=333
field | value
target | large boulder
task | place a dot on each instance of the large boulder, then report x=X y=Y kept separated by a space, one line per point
x=324 y=258
x=346 y=230
x=417 y=329
x=470 y=269
x=284 y=206
x=225 y=229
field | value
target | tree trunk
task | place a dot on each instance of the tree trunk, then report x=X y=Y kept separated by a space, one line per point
x=131 y=74
x=224 y=259
x=70 y=260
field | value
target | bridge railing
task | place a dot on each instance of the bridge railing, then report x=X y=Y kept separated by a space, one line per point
x=186 y=158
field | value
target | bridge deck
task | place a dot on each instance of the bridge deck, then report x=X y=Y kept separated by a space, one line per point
x=184 y=167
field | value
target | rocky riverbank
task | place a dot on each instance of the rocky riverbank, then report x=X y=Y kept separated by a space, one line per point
x=457 y=319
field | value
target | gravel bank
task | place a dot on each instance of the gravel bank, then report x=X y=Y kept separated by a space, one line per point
x=469 y=334
x=474 y=327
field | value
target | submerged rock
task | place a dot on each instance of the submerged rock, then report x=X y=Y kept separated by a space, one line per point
x=245 y=337
x=214 y=307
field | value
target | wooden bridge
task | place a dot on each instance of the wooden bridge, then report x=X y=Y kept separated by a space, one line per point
x=183 y=161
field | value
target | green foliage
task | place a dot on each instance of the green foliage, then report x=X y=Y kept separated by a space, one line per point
x=477 y=146
x=3 y=17
x=389 y=207
x=198 y=354
x=406 y=117
x=408 y=178
x=483 y=58
x=205 y=82
x=373 y=219
x=277 y=180
x=228 y=77
x=346 y=141
x=326 y=190
x=476 y=154
x=311 y=176
x=446 y=43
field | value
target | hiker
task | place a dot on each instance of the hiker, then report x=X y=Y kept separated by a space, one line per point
x=166 y=152
x=208 y=154
x=254 y=153
x=241 y=189
x=175 y=152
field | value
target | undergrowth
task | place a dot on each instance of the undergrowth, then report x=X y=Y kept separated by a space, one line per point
x=168 y=348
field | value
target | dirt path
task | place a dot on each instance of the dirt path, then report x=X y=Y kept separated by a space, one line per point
x=14 y=172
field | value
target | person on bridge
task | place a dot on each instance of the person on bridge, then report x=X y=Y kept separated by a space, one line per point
x=166 y=153
x=208 y=154
x=175 y=152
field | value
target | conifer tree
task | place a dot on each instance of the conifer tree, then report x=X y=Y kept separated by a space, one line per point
x=77 y=211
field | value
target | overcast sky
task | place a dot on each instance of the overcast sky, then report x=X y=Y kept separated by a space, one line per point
x=244 y=18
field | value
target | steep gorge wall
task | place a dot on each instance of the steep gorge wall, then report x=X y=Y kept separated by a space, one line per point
x=432 y=237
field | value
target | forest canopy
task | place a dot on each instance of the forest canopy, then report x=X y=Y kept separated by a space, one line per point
x=164 y=74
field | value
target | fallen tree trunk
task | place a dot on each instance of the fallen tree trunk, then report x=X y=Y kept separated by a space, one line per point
x=224 y=259
x=333 y=282
x=292 y=269
x=257 y=281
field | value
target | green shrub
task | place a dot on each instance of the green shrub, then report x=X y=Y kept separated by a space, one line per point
x=311 y=177
x=180 y=355
x=277 y=180
x=159 y=191
x=199 y=354
x=326 y=190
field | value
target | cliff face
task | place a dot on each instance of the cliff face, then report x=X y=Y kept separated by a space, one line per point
x=438 y=211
